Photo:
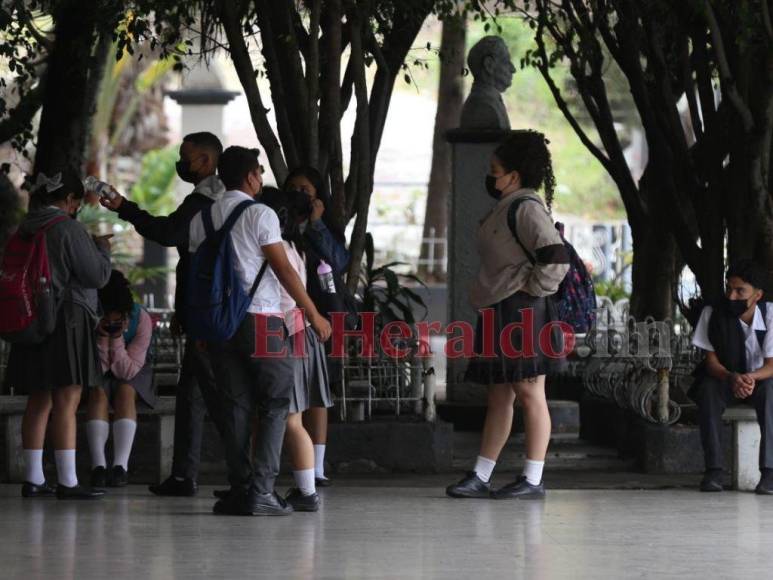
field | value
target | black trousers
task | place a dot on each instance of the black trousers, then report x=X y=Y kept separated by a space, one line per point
x=195 y=396
x=249 y=380
x=712 y=397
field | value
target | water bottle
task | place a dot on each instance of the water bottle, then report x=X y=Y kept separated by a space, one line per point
x=101 y=188
x=325 y=274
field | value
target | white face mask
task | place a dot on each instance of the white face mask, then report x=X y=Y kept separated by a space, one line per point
x=303 y=225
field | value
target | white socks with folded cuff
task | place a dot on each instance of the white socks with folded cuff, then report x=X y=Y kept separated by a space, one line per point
x=33 y=466
x=97 y=432
x=123 y=439
x=319 y=461
x=304 y=481
x=65 y=467
x=484 y=468
x=532 y=471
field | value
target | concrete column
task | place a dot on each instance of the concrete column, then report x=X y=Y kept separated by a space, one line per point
x=468 y=203
x=746 y=454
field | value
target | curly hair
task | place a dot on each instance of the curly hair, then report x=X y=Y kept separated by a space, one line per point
x=527 y=153
x=116 y=295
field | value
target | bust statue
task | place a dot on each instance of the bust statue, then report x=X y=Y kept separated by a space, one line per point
x=492 y=71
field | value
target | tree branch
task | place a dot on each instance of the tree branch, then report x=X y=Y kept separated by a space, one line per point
x=20 y=117
x=312 y=82
x=275 y=71
x=243 y=64
x=725 y=74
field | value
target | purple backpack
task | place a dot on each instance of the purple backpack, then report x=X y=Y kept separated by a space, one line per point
x=575 y=298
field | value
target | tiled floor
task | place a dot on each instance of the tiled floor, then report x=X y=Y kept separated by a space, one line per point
x=393 y=532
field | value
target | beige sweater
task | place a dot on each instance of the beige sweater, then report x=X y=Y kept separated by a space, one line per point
x=504 y=266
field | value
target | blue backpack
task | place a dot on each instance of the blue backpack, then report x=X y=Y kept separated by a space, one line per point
x=575 y=298
x=216 y=301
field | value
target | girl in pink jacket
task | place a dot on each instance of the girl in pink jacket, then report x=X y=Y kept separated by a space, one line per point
x=123 y=339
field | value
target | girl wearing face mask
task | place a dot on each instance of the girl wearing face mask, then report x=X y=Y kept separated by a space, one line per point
x=323 y=241
x=54 y=372
x=519 y=343
x=123 y=340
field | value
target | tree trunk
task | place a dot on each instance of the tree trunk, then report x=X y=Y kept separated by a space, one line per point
x=69 y=88
x=654 y=276
x=449 y=109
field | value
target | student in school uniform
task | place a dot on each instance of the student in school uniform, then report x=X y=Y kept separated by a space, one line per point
x=738 y=369
x=510 y=285
x=252 y=369
x=123 y=340
x=312 y=386
x=55 y=372
x=322 y=240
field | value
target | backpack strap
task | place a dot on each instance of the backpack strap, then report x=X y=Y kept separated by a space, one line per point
x=511 y=215
x=50 y=224
x=206 y=220
x=235 y=215
x=259 y=277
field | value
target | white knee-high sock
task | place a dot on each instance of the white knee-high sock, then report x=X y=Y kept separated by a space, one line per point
x=484 y=468
x=319 y=461
x=65 y=467
x=123 y=439
x=97 y=432
x=33 y=466
x=304 y=481
x=532 y=471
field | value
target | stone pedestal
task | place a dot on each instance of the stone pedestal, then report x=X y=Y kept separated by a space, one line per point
x=468 y=203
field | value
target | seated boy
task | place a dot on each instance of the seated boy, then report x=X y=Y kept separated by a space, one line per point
x=737 y=369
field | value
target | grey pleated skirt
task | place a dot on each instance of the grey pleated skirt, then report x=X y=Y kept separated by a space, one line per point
x=67 y=357
x=142 y=383
x=502 y=364
x=312 y=382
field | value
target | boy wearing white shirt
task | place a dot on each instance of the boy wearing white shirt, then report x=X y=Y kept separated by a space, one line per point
x=249 y=370
x=738 y=369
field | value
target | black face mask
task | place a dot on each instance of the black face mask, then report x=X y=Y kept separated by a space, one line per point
x=300 y=202
x=184 y=172
x=114 y=327
x=491 y=187
x=735 y=307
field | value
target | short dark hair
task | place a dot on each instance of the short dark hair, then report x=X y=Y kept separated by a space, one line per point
x=205 y=140
x=527 y=153
x=116 y=295
x=235 y=164
x=71 y=184
x=748 y=271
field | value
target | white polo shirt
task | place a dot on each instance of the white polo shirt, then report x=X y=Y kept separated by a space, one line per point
x=754 y=354
x=258 y=226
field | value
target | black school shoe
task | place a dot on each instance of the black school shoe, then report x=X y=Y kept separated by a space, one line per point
x=765 y=486
x=322 y=482
x=471 y=486
x=252 y=503
x=302 y=503
x=171 y=487
x=33 y=490
x=99 y=477
x=712 y=481
x=118 y=477
x=78 y=492
x=520 y=489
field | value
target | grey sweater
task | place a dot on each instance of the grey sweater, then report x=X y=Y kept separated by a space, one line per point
x=504 y=266
x=78 y=266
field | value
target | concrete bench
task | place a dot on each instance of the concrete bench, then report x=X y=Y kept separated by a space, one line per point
x=12 y=457
x=745 y=446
